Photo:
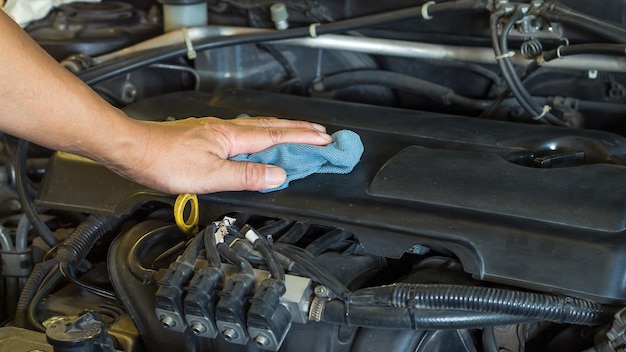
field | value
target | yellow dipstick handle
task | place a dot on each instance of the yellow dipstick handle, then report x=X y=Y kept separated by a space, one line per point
x=190 y=225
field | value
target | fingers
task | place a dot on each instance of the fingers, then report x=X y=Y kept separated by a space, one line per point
x=250 y=135
x=272 y=122
x=240 y=176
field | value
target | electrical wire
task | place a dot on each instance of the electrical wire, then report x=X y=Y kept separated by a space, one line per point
x=68 y=272
x=501 y=52
x=146 y=58
x=48 y=284
x=556 y=12
x=20 y=169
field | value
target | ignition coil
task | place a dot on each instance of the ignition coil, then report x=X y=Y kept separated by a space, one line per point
x=169 y=308
x=201 y=299
x=231 y=309
x=199 y=304
x=268 y=320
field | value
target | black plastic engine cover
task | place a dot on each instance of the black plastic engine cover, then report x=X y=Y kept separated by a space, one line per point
x=452 y=184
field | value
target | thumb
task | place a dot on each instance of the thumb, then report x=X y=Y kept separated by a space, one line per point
x=245 y=175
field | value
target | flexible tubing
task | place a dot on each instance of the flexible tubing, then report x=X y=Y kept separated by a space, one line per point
x=21 y=183
x=324 y=242
x=339 y=312
x=115 y=68
x=39 y=272
x=398 y=81
x=210 y=248
x=537 y=306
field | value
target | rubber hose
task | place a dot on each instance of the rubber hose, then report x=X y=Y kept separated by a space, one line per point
x=486 y=299
x=146 y=58
x=490 y=344
x=508 y=71
x=245 y=249
x=273 y=229
x=21 y=183
x=560 y=13
x=39 y=272
x=596 y=49
x=322 y=243
x=248 y=252
x=142 y=246
x=339 y=312
x=311 y=268
x=210 y=248
x=400 y=82
x=235 y=259
x=21 y=234
x=191 y=253
x=272 y=263
x=295 y=233
x=78 y=244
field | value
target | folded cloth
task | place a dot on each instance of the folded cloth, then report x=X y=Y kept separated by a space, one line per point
x=301 y=160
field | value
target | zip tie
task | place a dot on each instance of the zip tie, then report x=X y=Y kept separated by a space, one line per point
x=546 y=109
x=509 y=54
x=541 y=60
x=191 y=53
x=312 y=30
x=425 y=14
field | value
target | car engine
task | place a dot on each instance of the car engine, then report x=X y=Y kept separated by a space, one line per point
x=485 y=214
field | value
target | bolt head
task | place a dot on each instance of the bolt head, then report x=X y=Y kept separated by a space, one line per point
x=168 y=322
x=230 y=334
x=261 y=341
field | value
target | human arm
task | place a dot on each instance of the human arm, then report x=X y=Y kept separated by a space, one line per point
x=44 y=103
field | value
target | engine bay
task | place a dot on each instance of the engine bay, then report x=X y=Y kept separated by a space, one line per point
x=485 y=214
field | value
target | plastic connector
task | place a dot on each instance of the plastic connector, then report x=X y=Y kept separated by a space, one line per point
x=199 y=304
x=169 y=308
x=231 y=308
x=279 y=16
x=268 y=320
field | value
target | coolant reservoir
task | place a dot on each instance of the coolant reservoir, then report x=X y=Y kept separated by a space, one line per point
x=184 y=13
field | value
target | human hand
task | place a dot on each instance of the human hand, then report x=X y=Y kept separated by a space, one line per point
x=190 y=156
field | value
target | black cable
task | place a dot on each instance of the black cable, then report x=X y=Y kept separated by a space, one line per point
x=508 y=71
x=327 y=240
x=308 y=266
x=545 y=307
x=145 y=58
x=21 y=181
x=560 y=13
x=274 y=228
x=295 y=233
x=490 y=343
x=261 y=245
x=235 y=259
x=31 y=287
x=339 y=312
x=289 y=68
x=400 y=82
x=563 y=51
x=210 y=248
x=68 y=272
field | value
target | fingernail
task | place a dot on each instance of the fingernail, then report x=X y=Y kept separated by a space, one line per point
x=274 y=176
x=319 y=127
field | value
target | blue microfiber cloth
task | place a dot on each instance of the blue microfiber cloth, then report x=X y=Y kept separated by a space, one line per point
x=301 y=160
